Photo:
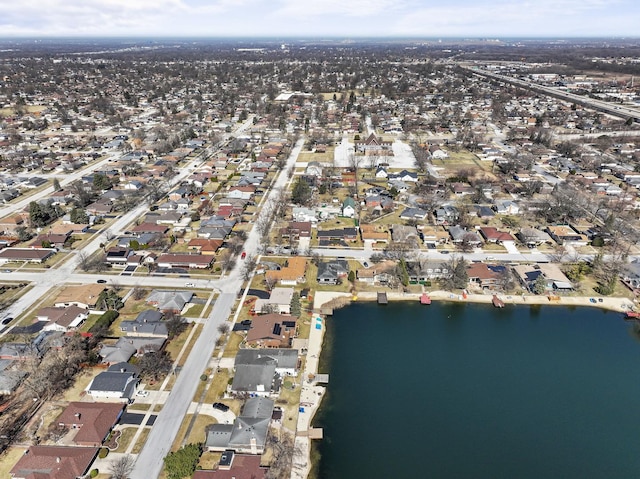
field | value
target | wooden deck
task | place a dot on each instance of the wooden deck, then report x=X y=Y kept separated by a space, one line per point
x=382 y=298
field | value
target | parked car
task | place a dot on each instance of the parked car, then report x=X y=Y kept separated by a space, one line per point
x=189 y=285
x=101 y=281
x=142 y=394
x=243 y=255
x=220 y=406
x=7 y=320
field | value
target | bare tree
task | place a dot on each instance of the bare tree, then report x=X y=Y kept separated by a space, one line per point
x=248 y=267
x=121 y=467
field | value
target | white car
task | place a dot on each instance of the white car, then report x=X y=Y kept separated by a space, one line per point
x=189 y=285
x=142 y=394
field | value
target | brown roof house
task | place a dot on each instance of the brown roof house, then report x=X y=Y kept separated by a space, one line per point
x=271 y=331
x=54 y=462
x=62 y=319
x=92 y=421
x=235 y=466
x=26 y=255
x=193 y=261
x=290 y=275
x=84 y=296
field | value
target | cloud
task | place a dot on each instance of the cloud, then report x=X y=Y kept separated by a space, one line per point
x=319 y=17
x=337 y=8
x=517 y=18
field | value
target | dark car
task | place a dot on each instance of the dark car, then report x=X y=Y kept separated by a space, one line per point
x=7 y=320
x=220 y=406
x=102 y=281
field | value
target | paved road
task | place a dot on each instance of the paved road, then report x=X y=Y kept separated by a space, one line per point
x=70 y=178
x=149 y=462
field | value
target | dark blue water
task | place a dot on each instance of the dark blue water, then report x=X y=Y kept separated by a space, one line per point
x=467 y=391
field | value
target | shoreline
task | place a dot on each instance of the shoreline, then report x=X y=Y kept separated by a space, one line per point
x=340 y=299
x=312 y=393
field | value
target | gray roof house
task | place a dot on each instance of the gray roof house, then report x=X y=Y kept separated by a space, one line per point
x=287 y=359
x=127 y=346
x=147 y=323
x=460 y=234
x=258 y=378
x=248 y=433
x=118 y=383
x=169 y=300
x=258 y=371
x=330 y=271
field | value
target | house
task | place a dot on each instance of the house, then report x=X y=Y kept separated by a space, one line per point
x=169 y=300
x=413 y=214
x=372 y=233
x=152 y=228
x=205 y=246
x=84 y=296
x=554 y=279
x=26 y=255
x=344 y=234
x=404 y=175
x=258 y=378
x=10 y=376
x=486 y=276
x=296 y=230
x=291 y=274
x=630 y=274
x=279 y=302
x=313 y=168
x=62 y=318
x=433 y=235
x=484 y=212
x=366 y=275
x=248 y=433
x=493 y=235
x=348 y=207
x=147 y=323
x=407 y=235
x=271 y=331
x=50 y=240
x=118 y=255
x=532 y=237
x=235 y=466
x=506 y=207
x=117 y=383
x=93 y=421
x=446 y=215
x=566 y=235
x=192 y=261
x=381 y=172
x=54 y=462
x=329 y=272
x=373 y=145
x=128 y=346
x=460 y=235
x=423 y=271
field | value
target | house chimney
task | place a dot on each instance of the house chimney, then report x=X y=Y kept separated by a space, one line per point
x=254 y=448
x=77 y=415
x=58 y=459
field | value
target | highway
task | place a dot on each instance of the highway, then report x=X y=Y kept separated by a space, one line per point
x=615 y=109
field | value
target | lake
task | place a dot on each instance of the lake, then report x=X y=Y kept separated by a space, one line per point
x=468 y=391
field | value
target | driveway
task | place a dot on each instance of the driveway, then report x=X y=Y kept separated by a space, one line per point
x=135 y=419
x=510 y=247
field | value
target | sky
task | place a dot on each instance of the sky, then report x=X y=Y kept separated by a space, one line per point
x=336 y=18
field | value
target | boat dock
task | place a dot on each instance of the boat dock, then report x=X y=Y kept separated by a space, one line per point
x=497 y=302
x=382 y=298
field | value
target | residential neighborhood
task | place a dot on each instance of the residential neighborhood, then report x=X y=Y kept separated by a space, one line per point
x=170 y=250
